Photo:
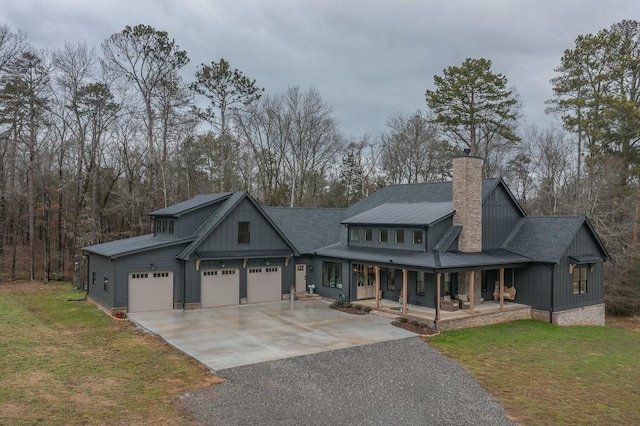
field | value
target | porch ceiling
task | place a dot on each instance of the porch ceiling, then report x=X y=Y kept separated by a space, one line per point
x=432 y=260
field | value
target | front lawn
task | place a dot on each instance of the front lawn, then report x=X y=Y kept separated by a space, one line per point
x=544 y=374
x=66 y=362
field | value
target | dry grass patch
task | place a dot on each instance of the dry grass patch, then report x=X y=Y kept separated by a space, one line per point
x=544 y=374
x=67 y=363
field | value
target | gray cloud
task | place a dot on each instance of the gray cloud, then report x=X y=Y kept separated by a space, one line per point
x=368 y=59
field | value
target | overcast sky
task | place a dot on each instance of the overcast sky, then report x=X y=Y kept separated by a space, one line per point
x=368 y=59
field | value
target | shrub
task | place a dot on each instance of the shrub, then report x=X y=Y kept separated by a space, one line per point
x=367 y=309
x=357 y=307
x=337 y=304
x=403 y=320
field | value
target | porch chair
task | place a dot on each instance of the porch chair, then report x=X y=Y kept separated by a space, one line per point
x=463 y=301
x=446 y=304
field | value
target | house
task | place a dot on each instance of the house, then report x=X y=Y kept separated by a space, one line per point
x=419 y=244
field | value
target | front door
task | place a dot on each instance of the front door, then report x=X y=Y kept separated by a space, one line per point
x=301 y=278
x=366 y=280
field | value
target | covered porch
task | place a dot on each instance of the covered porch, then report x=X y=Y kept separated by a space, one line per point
x=446 y=311
x=485 y=313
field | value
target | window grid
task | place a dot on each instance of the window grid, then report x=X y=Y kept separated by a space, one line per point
x=580 y=275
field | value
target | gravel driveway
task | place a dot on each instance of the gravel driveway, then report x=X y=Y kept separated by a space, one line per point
x=402 y=382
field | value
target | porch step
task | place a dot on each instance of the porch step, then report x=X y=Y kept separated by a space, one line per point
x=307 y=296
x=384 y=314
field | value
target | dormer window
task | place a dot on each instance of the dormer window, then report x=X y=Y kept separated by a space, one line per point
x=355 y=234
x=368 y=234
x=164 y=226
x=384 y=235
x=417 y=236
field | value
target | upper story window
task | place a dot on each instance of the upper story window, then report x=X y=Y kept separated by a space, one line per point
x=164 y=226
x=244 y=233
x=399 y=236
x=383 y=235
x=355 y=234
x=417 y=236
x=368 y=234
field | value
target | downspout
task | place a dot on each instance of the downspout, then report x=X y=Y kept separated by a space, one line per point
x=184 y=283
x=88 y=273
x=551 y=265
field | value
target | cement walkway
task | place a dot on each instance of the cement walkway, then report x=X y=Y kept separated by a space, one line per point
x=234 y=336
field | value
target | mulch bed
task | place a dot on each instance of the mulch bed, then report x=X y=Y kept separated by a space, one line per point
x=423 y=331
x=351 y=310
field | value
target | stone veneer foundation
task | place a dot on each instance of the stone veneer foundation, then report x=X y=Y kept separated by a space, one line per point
x=586 y=315
x=479 y=320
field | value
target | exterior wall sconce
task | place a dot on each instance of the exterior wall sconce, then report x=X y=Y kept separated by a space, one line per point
x=222 y=264
x=153 y=266
x=266 y=262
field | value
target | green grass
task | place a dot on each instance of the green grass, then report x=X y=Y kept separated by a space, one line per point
x=67 y=362
x=545 y=374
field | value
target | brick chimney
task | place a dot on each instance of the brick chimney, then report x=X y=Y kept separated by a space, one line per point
x=467 y=201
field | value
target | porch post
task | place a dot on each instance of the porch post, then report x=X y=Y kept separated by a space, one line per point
x=377 y=285
x=437 y=296
x=472 y=284
x=404 y=292
x=501 y=289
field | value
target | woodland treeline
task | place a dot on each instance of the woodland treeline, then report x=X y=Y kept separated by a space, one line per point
x=93 y=138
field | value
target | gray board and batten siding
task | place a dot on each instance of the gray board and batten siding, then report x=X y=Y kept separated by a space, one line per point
x=225 y=236
x=189 y=215
x=162 y=259
x=500 y=214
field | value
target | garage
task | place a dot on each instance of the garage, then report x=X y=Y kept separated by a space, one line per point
x=219 y=287
x=264 y=284
x=150 y=291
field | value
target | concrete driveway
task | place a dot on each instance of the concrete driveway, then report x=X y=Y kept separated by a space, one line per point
x=248 y=334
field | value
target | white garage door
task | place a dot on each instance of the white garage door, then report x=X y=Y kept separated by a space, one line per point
x=150 y=291
x=264 y=284
x=219 y=287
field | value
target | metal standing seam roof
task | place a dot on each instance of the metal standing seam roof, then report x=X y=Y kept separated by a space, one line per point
x=127 y=246
x=410 y=214
x=194 y=203
x=431 y=192
x=428 y=260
